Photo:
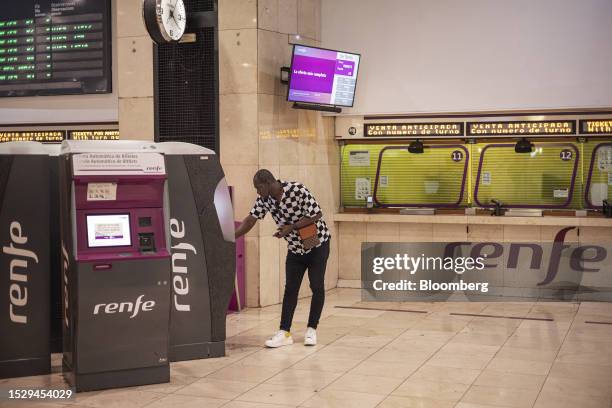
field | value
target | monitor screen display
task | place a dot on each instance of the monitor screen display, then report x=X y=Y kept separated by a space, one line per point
x=108 y=230
x=322 y=76
x=55 y=47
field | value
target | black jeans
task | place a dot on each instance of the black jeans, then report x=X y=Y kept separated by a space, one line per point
x=295 y=266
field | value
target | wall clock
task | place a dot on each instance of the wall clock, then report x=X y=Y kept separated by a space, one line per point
x=165 y=20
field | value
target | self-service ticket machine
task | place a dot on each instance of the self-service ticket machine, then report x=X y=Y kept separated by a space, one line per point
x=116 y=264
x=203 y=251
x=25 y=218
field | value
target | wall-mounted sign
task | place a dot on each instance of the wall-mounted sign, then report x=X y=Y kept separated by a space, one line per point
x=522 y=128
x=101 y=134
x=596 y=126
x=413 y=129
x=44 y=136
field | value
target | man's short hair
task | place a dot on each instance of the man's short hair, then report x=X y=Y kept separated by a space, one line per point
x=264 y=176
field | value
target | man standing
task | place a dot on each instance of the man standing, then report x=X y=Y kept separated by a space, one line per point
x=293 y=207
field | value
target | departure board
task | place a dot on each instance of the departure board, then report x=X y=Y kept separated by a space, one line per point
x=54 y=47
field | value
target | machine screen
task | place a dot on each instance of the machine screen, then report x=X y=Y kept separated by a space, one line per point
x=108 y=230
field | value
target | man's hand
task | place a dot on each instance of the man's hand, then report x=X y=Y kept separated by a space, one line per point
x=283 y=231
x=248 y=223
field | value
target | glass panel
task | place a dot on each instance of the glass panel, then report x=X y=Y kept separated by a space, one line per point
x=548 y=177
x=435 y=178
x=358 y=172
x=598 y=173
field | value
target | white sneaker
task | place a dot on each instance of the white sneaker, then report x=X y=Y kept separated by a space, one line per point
x=281 y=338
x=310 y=338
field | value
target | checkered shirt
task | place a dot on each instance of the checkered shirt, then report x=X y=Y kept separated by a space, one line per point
x=296 y=203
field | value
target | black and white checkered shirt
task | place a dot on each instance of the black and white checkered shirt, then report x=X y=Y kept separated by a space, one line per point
x=296 y=203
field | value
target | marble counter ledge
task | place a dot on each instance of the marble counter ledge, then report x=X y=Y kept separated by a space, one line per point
x=475 y=219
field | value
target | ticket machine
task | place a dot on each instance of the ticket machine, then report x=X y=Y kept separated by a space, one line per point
x=203 y=251
x=116 y=273
x=24 y=259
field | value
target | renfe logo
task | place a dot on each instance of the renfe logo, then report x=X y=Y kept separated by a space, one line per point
x=578 y=258
x=18 y=291
x=129 y=307
x=180 y=280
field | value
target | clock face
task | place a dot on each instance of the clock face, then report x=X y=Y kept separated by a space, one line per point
x=173 y=18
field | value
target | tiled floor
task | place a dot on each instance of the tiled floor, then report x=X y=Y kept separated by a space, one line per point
x=378 y=358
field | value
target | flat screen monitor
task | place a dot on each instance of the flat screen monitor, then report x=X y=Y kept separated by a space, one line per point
x=323 y=77
x=108 y=230
x=55 y=47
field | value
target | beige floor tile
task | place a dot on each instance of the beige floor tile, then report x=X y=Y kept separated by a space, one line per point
x=444 y=325
x=392 y=355
x=214 y=388
x=363 y=341
x=235 y=352
x=277 y=394
x=314 y=380
x=437 y=336
x=491 y=325
x=594 y=331
x=329 y=398
x=253 y=340
x=582 y=345
x=363 y=313
x=240 y=372
x=603 y=357
x=177 y=382
x=120 y=398
x=497 y=396
x=579 y=386
x=39 y=404
x=538 y=325
x=414 y=402
x=508 y=309
x=469 y=349
x=333 y=351
x=473 y=362
x=365 y=383
x=334 y=321
x=39 y=381
x=370 y=330
x=567 y=400
x=245 y=404
x=397 y=369
x=485 y=339
x=187 y=401
x=520 y=353
x=509 y=365
x=199 y=368
x=492 y=378
x=439 y=390
x=415 y=344
x=471 y=405
x=278 y=358
x=399 y=320
x=325 y=363
x=446 y=374
x=325 y=336
x=540 y=342
x=584 y=371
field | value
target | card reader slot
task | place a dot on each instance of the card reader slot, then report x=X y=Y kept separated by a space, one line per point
x=102 y=267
